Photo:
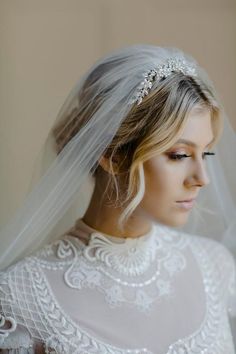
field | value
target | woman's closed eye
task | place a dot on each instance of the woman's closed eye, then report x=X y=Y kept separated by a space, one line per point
x=173 y=156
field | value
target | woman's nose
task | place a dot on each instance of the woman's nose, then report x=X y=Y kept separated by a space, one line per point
x=199 y=176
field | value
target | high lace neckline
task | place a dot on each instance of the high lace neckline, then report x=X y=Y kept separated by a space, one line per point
x=128 y=256
x=87 y=233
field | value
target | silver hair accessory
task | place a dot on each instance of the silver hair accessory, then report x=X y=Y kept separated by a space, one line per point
x=161 y=71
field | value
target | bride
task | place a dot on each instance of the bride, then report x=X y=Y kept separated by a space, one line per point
x=149 y=267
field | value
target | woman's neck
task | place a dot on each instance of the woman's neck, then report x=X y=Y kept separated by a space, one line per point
x=104 y=218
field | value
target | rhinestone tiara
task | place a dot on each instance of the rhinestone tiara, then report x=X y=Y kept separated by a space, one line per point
x=161 y=71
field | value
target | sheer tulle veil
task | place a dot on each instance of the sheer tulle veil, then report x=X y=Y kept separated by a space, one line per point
x=57 y=193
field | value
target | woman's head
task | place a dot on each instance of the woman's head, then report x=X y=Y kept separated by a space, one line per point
x=138 y=166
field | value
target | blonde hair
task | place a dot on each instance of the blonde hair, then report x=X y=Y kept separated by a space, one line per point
x=148 y=130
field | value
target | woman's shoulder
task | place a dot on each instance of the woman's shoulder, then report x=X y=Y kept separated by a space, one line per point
x=59 y=251
x=221 y=265
x=217 y=252
x=215 y=249
x=21 y=275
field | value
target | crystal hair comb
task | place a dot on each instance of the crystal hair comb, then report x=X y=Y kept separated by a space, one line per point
x=161 y=71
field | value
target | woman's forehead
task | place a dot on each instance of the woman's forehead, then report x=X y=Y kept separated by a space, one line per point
x=198 y=129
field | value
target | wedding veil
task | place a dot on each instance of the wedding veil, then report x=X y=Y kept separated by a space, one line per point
x=60 y=178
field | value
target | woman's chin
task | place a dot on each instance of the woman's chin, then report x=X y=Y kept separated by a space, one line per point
x=175 y=221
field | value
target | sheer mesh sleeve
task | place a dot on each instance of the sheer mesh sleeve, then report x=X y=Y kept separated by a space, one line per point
x=186 y=291
x=14 y=339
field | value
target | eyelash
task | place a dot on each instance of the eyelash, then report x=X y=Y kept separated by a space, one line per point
x=182 y=156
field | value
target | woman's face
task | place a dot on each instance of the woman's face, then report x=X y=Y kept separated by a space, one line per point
x=178 y=174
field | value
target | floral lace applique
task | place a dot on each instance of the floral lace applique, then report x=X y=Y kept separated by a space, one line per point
x=135 y=273
x=213 y=336
x=31 y=292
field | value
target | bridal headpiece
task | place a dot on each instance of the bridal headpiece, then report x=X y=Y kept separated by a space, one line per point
x=98 y=105
x=162 y=71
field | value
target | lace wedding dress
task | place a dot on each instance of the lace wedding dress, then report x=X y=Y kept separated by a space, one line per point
x=166 y=292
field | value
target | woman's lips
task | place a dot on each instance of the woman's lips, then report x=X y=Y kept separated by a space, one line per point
x=186 y=204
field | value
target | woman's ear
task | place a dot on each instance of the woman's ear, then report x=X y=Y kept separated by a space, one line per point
x=105 y=163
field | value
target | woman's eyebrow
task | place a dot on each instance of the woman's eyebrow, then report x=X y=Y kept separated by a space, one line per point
x=190 y=143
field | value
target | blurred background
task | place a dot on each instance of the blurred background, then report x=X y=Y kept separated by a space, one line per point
x=47 y=45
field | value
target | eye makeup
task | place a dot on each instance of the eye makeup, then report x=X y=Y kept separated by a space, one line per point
x=179 y=156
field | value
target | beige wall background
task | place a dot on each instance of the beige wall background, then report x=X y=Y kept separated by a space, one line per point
x=47 y=45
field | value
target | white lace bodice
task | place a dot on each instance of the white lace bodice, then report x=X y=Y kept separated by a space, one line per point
x=166 y=292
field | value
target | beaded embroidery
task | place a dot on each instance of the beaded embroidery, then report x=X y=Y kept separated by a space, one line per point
x=61 y=334
x=161 y=71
